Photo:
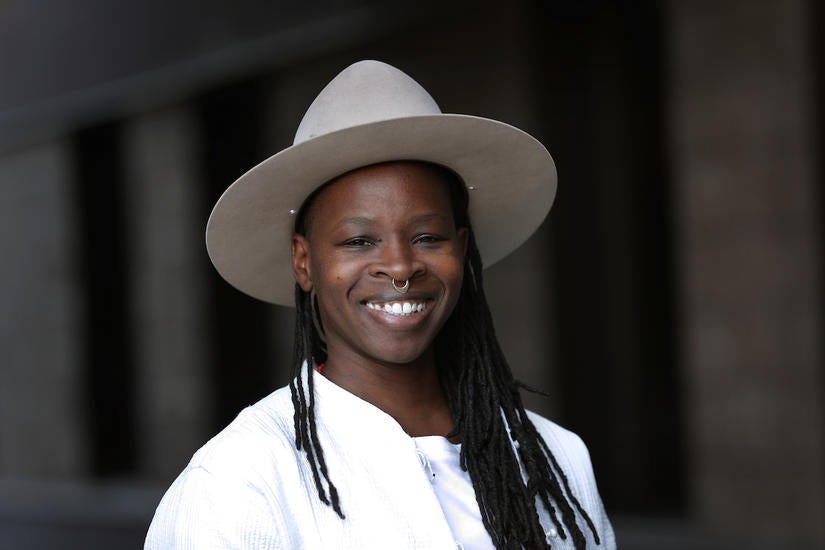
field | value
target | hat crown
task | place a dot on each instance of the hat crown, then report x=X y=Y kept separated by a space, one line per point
x=365 y=92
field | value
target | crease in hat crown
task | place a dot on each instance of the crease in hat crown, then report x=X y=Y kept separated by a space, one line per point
x=365 y=92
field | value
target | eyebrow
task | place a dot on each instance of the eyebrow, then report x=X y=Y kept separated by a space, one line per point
x=365 y=221
x=355 y=220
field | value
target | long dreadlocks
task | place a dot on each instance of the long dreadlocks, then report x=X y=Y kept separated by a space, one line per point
x=485 y=404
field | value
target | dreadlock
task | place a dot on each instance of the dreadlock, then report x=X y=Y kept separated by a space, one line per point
x=309 y=347
x=485 y=403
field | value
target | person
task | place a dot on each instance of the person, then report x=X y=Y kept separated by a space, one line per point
x=403 y=426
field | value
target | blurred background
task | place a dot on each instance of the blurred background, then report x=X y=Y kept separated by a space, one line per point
x=671 y=305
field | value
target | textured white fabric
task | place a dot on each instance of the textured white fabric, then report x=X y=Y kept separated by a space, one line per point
x=454 y=490
x=249 y=488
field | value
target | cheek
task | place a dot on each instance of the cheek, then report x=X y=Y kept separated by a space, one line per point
x=454 y=275
x=334 y=277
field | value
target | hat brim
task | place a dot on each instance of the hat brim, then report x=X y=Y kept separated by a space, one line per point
x=513 y=177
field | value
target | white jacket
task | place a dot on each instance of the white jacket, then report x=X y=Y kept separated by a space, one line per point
x=249 y=488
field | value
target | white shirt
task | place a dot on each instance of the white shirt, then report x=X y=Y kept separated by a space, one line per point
x=454 y=490
x=249 y=488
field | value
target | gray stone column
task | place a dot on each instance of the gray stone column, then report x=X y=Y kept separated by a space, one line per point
x=42 y=431
x=166 y=227
x=742 y=141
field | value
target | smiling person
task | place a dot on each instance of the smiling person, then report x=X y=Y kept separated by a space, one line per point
x=403 y=426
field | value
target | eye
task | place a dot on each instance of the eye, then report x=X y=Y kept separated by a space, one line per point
x=359 y=242
x=427 y=239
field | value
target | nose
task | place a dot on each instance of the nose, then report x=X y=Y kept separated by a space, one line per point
x=398 y=260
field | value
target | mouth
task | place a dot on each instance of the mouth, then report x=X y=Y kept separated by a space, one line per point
x=400 y=308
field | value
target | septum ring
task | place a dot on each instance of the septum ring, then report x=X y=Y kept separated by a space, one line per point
x=403 y=288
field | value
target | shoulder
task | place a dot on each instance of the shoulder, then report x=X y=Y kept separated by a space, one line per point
x=228 y=493
x=260 y=433
x=567 y=446
x=573 y=460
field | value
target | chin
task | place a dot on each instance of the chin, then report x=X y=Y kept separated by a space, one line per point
x=399 y=356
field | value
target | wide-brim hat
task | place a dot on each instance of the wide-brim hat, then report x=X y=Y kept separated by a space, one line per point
x=371 y=113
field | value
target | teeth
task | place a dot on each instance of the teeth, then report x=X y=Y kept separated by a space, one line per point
x=398 y=308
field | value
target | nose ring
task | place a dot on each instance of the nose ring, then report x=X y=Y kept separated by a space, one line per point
x=403 y=288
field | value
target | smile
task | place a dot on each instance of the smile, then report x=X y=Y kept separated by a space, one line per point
x=398 y=308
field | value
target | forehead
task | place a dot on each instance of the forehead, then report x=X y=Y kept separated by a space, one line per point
x=396 y=185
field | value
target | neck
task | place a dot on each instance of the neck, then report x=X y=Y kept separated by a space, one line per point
x=409 y=392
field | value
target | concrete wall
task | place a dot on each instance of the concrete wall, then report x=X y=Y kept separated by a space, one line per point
x=42 y=413
x=168 y=297
x=747 y=197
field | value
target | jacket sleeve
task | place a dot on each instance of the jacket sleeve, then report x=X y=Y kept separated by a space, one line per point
x=202 y=510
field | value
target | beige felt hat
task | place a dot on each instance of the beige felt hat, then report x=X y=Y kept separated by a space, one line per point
x=372 y=112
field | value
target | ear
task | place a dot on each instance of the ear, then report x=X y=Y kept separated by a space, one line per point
x=301 y=262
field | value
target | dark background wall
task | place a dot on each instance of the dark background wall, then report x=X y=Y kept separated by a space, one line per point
x=671 y=305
